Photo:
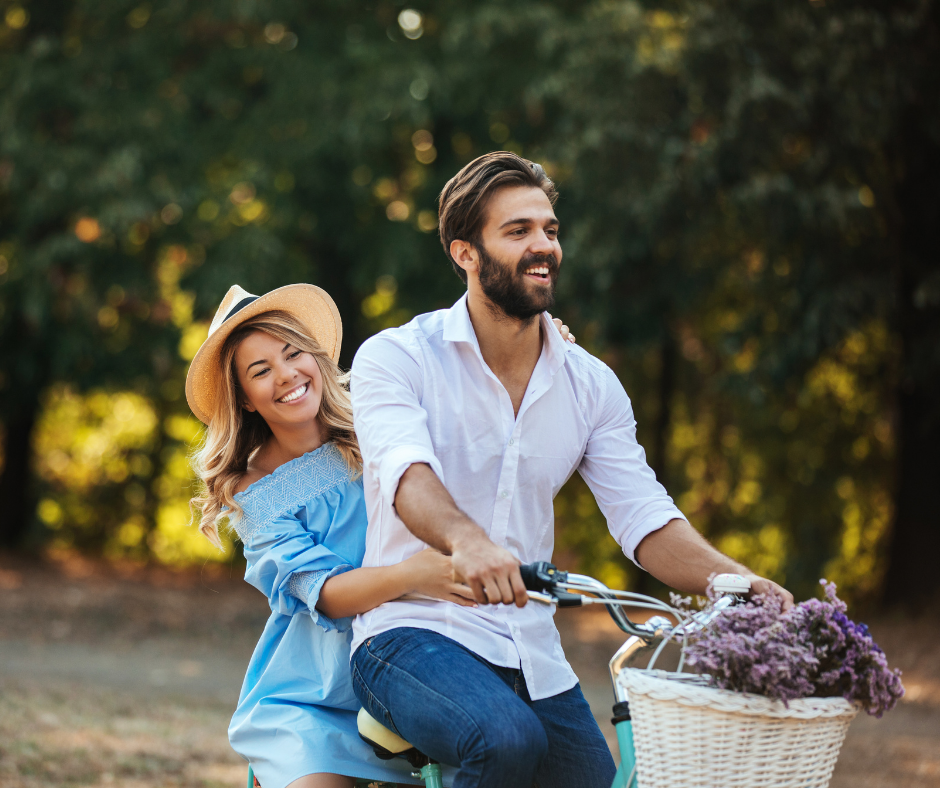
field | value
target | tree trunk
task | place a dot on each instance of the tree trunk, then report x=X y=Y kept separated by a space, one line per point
x=668 y=358
x=912 y=578
x=333 y=276
x=17 y=502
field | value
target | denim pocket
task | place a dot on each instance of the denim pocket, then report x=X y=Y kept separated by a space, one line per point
x=382 y=645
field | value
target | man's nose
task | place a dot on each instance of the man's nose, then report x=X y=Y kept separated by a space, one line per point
x=541 y=243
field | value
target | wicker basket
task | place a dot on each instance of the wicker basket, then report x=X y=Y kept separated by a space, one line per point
x=694 y=736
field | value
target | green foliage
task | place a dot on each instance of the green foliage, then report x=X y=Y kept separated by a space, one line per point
x=728 y=173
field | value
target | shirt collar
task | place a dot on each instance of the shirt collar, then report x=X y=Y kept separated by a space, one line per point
x=458 y=328
x=457 y=325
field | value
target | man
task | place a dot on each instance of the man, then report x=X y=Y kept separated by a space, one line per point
x=470 y=421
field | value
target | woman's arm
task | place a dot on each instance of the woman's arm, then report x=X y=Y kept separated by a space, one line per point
x=357 y=591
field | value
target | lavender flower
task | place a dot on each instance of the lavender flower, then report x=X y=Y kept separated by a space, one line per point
x=813 y=649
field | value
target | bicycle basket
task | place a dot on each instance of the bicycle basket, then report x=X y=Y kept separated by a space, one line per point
x=695 y=736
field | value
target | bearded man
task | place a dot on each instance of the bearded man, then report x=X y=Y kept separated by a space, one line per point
x=470 y=421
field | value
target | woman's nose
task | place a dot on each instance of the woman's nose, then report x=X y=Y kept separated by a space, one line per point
x=284 y=373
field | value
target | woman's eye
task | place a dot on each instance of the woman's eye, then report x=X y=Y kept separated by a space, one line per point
x=259 y=373
x=295 y=354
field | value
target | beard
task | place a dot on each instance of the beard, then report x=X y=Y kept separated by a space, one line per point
x=507 y=289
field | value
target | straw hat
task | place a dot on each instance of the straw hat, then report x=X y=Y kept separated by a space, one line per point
x=309 y=304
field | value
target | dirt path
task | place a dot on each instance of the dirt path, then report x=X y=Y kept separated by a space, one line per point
x=111 y=678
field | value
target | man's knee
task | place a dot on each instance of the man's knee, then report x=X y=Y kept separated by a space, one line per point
x=511 y=740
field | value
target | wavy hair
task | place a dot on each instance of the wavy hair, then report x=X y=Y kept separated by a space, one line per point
x=234 y=434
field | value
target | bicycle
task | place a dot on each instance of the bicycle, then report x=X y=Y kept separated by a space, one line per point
x=546 y=584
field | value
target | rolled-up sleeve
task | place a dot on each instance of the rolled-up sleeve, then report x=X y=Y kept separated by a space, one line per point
x=390 y=422
x=288 y=565
x=614 y=467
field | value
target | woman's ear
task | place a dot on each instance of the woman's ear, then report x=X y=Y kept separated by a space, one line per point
x=244 y=403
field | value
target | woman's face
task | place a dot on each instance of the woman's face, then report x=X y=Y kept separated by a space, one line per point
x=280 y=382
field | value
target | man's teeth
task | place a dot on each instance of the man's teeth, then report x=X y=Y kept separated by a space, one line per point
x=543 y=271
x=295 y=394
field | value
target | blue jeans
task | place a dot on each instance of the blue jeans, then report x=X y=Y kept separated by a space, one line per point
x=459 y=709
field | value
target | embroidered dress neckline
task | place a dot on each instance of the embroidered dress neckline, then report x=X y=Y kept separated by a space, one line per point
x=283 y=468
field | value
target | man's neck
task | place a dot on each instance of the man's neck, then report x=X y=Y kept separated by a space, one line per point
x=510 y=347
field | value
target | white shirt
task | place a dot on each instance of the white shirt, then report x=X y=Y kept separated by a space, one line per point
x=422 y=393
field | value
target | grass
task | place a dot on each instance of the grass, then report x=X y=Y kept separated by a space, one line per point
x=67 y=735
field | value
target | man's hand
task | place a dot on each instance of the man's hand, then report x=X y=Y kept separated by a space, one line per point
x=492 y=572
x=678 y=555
x=761 y=585
x=429 y=512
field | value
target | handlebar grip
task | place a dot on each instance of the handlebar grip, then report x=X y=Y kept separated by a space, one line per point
x=731 y=584
x=540 y=575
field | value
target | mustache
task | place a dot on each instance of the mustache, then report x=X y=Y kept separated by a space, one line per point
x=538 y=259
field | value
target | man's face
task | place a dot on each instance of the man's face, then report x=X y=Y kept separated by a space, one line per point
x=519 y=254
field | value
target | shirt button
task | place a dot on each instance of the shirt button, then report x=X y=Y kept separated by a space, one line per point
x=504 y=494
x=511 y=441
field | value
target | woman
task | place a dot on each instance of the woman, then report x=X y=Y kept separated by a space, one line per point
x=281 y=461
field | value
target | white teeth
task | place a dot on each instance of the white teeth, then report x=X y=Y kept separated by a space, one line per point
x=296 y=394
x=542 y=271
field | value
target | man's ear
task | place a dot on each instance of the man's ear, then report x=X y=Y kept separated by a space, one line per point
x=465 y=255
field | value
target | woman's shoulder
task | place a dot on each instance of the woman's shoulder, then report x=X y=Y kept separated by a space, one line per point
x=300 y=483
x=251 y=476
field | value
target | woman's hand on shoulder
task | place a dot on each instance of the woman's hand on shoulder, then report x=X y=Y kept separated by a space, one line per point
x=563 y=330
x=433 y=575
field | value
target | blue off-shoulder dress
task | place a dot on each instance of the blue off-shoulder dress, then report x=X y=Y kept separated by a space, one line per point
x=296 y=714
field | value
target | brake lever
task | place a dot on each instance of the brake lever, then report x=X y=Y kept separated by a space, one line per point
x=560 y=598
x=538 y=596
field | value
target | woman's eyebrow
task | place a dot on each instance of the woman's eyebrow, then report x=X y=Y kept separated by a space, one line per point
x=264 y=360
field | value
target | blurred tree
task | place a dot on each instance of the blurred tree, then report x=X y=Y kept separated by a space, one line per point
x=759 y=185
x=747 y=197
x=81 y=196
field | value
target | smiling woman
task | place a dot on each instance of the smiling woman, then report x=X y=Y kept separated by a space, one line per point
x=281 y=461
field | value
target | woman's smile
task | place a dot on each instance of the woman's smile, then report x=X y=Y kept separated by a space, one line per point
x=295 y=394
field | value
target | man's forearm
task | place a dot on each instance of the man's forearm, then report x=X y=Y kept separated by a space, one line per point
x=429 y=511
x=680 y=557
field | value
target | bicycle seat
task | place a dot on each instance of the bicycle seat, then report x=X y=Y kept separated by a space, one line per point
x=387 y=744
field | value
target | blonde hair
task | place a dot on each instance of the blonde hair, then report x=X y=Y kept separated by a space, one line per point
x=235 y=434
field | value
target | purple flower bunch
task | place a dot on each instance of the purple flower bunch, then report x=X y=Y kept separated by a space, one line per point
x=813 y=649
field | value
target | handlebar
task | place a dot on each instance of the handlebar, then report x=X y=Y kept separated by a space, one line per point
x=550 y=585
x=541 y=575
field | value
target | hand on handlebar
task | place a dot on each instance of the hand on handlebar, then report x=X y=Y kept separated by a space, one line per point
x=761 y=585
x=492 y=572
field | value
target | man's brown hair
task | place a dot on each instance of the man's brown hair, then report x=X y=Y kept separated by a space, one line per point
x=462 y=204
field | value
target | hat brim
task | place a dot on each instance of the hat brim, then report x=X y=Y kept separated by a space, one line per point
x=308 y=303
